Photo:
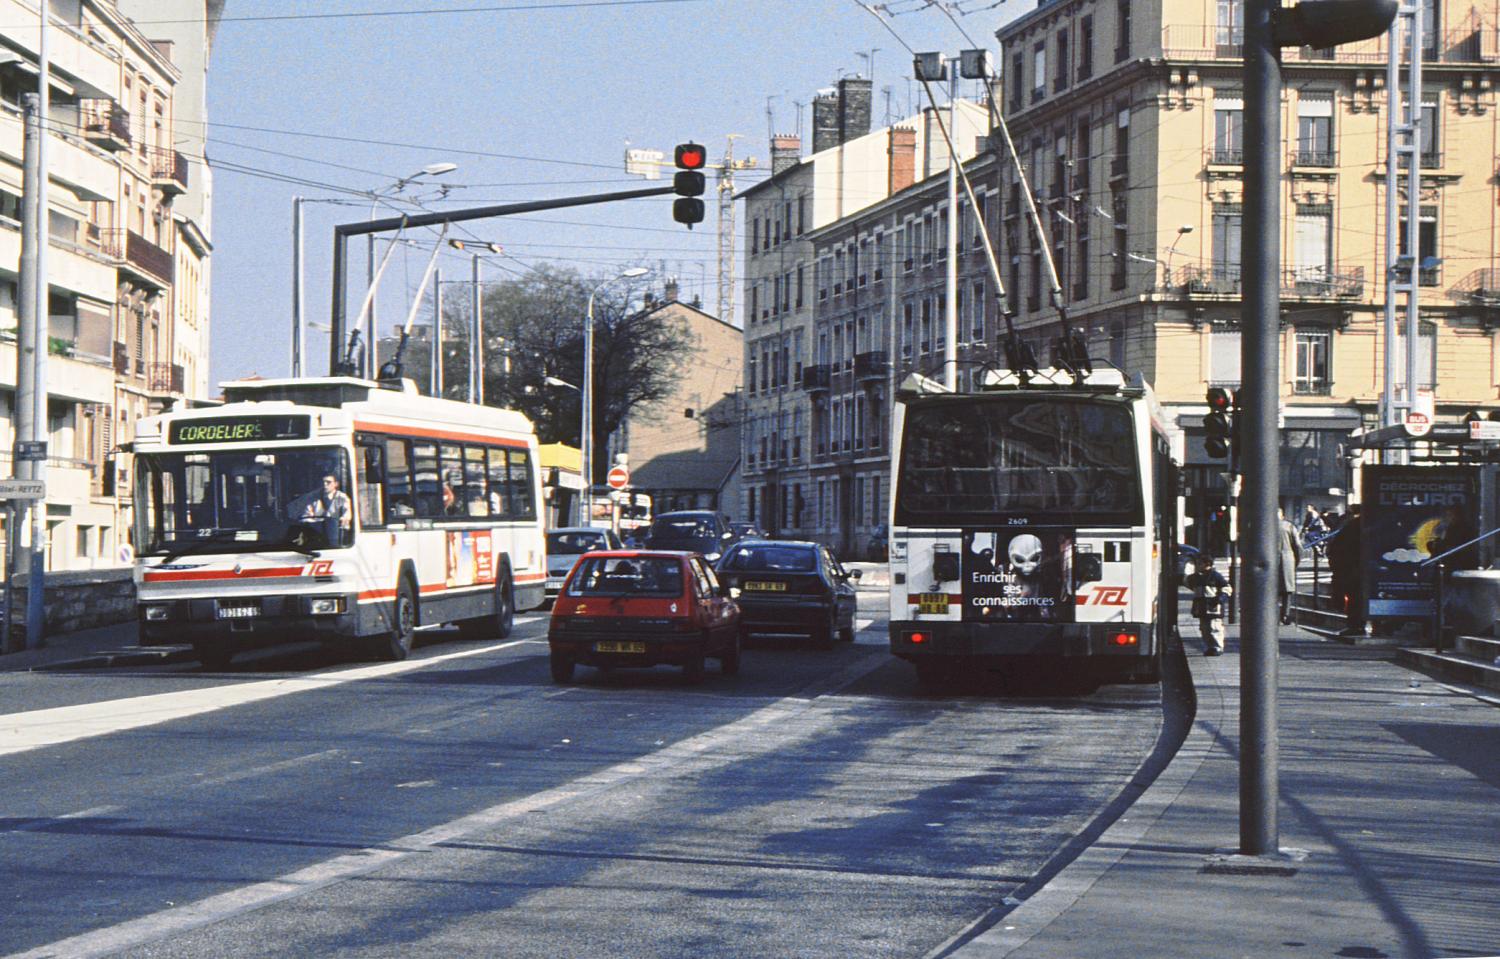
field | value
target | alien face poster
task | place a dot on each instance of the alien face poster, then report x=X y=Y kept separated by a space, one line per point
x=1018 y=575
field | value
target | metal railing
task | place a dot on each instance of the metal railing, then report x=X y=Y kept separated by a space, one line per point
x=1442 y=575
x=1315 y=158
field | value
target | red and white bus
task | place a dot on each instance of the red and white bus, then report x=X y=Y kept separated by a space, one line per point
x=334 y=509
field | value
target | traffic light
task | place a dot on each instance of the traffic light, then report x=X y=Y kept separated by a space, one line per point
x=688 y=183
x=1219 y=423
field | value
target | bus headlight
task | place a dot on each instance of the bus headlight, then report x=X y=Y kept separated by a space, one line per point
x=325 y=605
x=158 y=614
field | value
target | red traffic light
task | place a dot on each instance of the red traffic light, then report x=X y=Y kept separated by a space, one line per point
x=691 y=156
x=1219 y=399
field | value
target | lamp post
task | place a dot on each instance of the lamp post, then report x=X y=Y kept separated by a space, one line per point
x=586 y=446
x=476 y=327
x=1182 y=231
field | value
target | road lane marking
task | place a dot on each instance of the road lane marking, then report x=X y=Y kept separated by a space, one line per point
x=768 y=728
x=267 y=769
x=20 y=732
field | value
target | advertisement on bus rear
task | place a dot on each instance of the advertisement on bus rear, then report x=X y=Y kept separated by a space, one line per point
x=1018 y=575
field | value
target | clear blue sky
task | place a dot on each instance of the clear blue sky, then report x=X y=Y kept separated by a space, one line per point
x=531 y=102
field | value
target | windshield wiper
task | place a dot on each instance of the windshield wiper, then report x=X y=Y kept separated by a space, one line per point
x=182 y=549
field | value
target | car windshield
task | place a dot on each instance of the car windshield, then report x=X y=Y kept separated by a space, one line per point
x=243 y=500
x=772 y=559
x=1012 y=458
x=574 y=542
x=627 y=576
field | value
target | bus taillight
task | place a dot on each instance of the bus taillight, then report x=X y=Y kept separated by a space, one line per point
x=917 y=639
x=1124 y=639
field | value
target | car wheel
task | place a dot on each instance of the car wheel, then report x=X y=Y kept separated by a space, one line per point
x=396 y=644
x=729 y=659
x=562 y=669
x=692 y=669
x=846 y=635
x=823 y=635
x=213 y=656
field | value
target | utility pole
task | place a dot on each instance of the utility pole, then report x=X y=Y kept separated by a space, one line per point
x=437 y=333
x=30 y=454
x=1403 y=170
x=950 y=311
x=1268 y=28
x=299 y=341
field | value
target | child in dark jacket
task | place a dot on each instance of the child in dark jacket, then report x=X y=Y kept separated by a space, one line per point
x=1210 y=593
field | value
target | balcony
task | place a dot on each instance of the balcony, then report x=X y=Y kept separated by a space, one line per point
x=1220 y=280
x=1319 y=283
x=169 y=171
x=164 y=378
x=1481 y=288
x=1317 y=159
x=1226 y=156
x=105 y=123
x=816 y=379
x=152 y=264
x=872 y=366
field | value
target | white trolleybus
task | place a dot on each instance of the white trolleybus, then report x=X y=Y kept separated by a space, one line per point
x=334 y=509
x=1032 y=524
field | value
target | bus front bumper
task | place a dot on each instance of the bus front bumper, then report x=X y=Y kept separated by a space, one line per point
x=251 y=621
x=995 y=644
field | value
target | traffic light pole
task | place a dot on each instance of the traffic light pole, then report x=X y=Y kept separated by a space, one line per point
x=1260 y=375
x=343 y=231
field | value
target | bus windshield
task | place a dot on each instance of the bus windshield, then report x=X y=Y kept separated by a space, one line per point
x=243 y=500
x=1012 y=459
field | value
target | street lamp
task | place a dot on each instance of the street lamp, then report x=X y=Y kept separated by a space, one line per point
x=586 y=445
x=476 y=327
x=1182 y=231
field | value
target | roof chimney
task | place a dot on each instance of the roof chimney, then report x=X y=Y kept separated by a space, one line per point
x=786 y=152
x=854 y=108
x=903 y=159
x=825 y=121
x=669 y=292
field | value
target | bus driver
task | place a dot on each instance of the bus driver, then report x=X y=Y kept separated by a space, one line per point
x=327 y=508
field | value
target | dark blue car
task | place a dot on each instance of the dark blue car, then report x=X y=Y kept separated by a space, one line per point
x=791 y=587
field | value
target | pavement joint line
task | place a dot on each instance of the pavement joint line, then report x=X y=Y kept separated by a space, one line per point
x=1033 y=915
x=767 y=728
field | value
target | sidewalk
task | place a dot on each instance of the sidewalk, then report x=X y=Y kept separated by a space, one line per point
x=115 y=645
x=1389 y=781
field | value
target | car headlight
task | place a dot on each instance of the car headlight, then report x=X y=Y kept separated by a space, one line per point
x=712 y=557
x=325 y=605
x=157 y=614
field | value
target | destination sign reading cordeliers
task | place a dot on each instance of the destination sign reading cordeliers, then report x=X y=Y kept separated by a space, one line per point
x=239 y=429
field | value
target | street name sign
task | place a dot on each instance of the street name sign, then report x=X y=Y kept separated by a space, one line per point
x=37 y=489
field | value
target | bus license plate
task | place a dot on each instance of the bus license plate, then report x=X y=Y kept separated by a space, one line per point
x=765 y=587
x=935 y=603
x=238 y=612
x=610 y=646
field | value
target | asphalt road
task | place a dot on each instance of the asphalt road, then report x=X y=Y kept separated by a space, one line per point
x=819 y=804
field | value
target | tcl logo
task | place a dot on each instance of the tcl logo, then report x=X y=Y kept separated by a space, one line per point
x=323 y=567
x=1105 y=596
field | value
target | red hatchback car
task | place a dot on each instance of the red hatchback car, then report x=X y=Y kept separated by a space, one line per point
x=643 y=608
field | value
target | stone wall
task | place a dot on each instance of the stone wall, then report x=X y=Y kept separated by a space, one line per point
x=82 y=599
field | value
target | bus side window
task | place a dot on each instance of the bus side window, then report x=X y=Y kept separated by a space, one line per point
x=371 y=484
x=499 y=491
x=398 y=494
x=424 y=463
x=522 y=486
x=474 y=484
x=452 y=471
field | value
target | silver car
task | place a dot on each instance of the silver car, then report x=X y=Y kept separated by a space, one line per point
x=564 y=546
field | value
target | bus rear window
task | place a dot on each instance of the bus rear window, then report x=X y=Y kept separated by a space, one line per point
x=1007 y=459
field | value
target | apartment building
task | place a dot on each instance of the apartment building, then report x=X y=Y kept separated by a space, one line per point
x=685 y=449
x=787 y=355
x=1129 y=118
x=114 y=256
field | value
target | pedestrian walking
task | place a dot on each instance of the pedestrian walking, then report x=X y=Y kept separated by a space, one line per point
x=1288 y=558
x=1313 y=529
x=1344 y=560
x=1210 y=593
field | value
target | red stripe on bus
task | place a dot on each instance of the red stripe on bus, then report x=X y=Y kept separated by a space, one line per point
x=437 y=434
x=178 y=576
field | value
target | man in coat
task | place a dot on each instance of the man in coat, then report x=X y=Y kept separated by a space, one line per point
x=1288 y=556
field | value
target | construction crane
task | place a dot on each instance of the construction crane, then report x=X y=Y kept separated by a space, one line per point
x=649 y=164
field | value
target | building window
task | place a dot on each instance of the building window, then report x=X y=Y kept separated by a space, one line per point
x=1429 y=264
x=1426 y=356
x=1227 y=219
x=977 y=305
x=1229 y=33
x=1311 y=377
x=1060 y=78
x=1315 y=130
x=1229 y=130
x=1085 y=48
x=1312 y=245
x=1017 y=85
x=1039 y=71
x=1223 y=356
x=1122 y=32
x=1430 y=139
